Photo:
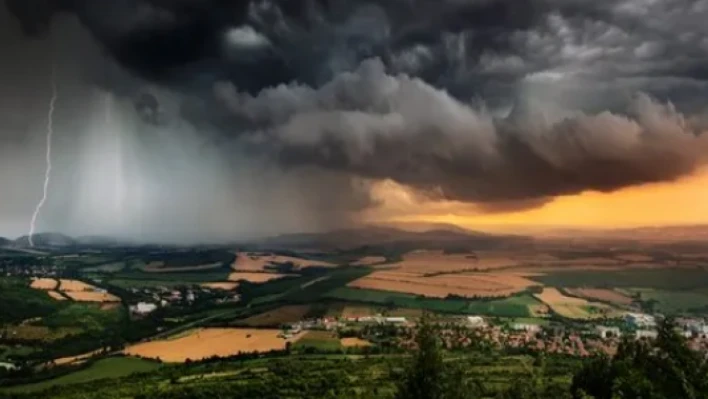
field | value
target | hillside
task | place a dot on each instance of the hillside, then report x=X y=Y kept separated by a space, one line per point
x=46 y=240
x=389 y=236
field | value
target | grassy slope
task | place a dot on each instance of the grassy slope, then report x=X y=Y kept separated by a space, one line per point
x=670 y=279
x=115 y=367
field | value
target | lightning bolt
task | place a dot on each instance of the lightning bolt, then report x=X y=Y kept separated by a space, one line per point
x=48 y=171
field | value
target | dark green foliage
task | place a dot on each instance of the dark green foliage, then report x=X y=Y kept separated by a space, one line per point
x=19 y=302
x=667 y=368
x=427 y=376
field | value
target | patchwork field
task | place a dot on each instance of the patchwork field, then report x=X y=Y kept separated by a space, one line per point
x=601 y=294
x=261 y=262
x=487 y=285
x=572 y=308
x=426 y=262
x=89 y=296
x=221 y=286
x=44 y=284
x=277 y=317
x=208 y=342
x=255 y=277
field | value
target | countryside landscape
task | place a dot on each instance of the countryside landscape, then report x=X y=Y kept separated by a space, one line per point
x=82 y=318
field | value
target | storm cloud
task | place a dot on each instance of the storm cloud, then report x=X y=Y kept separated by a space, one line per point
x=503 y=104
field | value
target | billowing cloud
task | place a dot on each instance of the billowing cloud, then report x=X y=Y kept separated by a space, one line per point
x=501 y=104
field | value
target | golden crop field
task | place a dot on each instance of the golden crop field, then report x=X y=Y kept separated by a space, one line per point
x=57 y=296
x=441 y=286
x=44 y=284
x=226 y=286
x=207 y=342
x=258 y=262
x=601 y=294
x=573 y=308
x=255 y=277
x=74 y=285
x=90 y=296
x=354 y=342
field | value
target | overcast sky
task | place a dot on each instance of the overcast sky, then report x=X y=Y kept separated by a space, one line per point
x=215 y=119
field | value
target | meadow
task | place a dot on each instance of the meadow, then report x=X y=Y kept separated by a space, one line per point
x=108 y=368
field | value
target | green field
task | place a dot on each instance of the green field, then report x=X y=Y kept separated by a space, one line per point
x=321 y=340
x=114 y=367
x=19 y=302
x=515 y=306
x=673 y=302
x=325 y=376
x=666 y=279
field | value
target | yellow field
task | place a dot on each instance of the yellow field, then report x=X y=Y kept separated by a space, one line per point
x=208 y=342
x=56 y=295
x=276 y=317
x=89 y=296
x=226 y=286
x=44 y=284
x=466 y=285
x=573 y=308
x=258 y=262
x=354 y=342
x=158 y=267
x=75 y=359
x=255 y=277
x=600 y=294
x=74 y=285
x=423 y=262
x=369 y=260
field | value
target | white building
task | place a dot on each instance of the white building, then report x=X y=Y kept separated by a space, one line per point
x=476 y=322
x=646 y=334
x=607 y=332
x=640 y=320
x=143 y=308
x=525 y=327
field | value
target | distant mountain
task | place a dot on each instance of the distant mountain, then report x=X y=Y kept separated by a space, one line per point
x=46 y=240
x=421 y=227
x=392 y=237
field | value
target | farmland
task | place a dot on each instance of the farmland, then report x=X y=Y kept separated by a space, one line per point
x=255 y=277
x=515 y=306
x=571 y=307
x=441 y=286
x=258 y=262
x=278 y=316
x=44 y=284
x=321 y=340
x=601 y=295
x=204 y=343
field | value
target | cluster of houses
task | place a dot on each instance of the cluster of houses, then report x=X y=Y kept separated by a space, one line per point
x=157 y=297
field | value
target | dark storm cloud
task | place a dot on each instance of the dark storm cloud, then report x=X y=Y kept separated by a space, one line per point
x=417 y=90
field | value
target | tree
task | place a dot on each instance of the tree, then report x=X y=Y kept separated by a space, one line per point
x=665 y=368
x=427 y=376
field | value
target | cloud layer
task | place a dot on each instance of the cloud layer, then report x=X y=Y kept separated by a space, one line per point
x=503 y=104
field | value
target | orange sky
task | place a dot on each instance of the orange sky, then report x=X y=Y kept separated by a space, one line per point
x=681 y=202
